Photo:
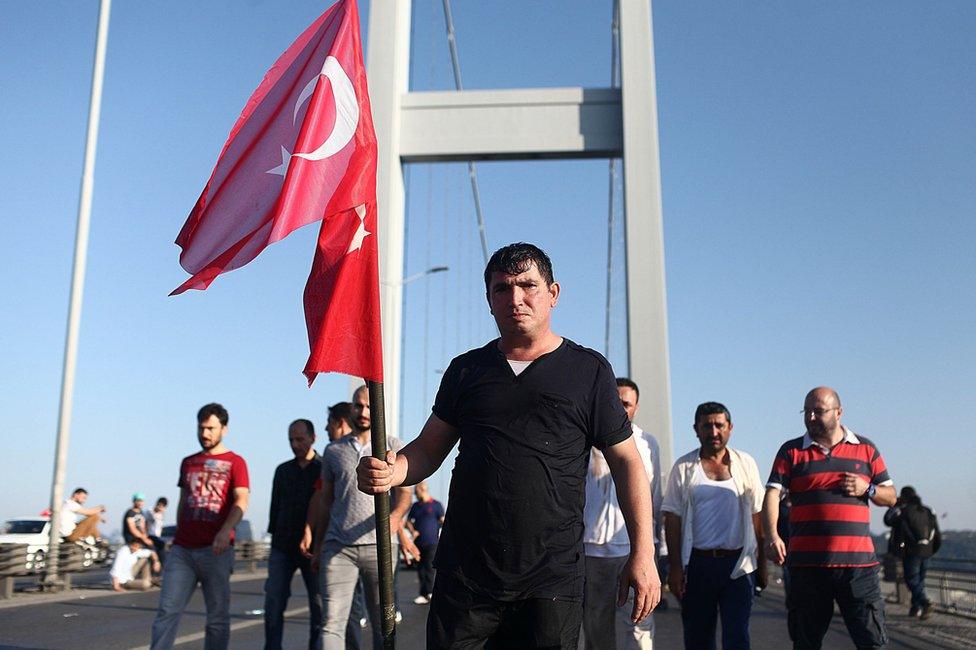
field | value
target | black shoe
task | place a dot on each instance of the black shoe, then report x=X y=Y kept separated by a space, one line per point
x=913 y=611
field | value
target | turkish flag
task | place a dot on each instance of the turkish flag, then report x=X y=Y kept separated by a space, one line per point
x=303 y=150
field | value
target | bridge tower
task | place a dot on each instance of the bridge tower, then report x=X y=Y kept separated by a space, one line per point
x=530 y=124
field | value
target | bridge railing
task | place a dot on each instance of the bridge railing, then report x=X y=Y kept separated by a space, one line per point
x=949 y=582
x=17 y=563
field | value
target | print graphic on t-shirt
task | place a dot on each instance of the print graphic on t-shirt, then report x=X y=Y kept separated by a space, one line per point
x=207 y=487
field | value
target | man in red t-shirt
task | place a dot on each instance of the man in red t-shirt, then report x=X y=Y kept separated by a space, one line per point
x=214 y=492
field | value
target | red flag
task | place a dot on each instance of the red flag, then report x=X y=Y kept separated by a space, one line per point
x=303 y=150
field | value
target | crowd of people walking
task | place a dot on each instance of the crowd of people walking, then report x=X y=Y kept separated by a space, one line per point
x=559 y=515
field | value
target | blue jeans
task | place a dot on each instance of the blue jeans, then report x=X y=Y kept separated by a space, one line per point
x=709 y=590
x=915 y=568
x=185 y=567
x=277 y=590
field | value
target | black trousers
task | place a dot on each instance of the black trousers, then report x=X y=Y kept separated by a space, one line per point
x=461 y=619
x=810 y=606
x=426 y=568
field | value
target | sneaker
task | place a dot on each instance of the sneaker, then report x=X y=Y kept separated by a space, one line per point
x=421 y=600
x=913 y=611
x=398 y=617
x=926 y=611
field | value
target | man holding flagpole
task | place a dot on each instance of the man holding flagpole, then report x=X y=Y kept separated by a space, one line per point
x=526 y=408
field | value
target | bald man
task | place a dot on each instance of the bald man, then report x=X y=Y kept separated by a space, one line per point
x=831 y=474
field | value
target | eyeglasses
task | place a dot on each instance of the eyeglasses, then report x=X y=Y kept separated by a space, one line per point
x=817 y=412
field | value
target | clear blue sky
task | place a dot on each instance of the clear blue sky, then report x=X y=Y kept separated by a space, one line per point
x=819 y=184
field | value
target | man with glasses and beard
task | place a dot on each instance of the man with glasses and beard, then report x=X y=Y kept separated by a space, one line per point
x=831 y=475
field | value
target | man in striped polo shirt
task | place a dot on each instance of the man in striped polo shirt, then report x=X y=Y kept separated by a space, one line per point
x=830 y=474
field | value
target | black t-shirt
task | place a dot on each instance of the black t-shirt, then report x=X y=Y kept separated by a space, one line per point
x=514 y=523
x=137 y=518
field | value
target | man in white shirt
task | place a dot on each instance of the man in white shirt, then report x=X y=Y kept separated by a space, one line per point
x=606 y=626
x=714 y=534
x=131 y=560
x=73 y=530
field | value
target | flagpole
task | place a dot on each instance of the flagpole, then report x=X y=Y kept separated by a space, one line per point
x=74 y=308
x=384 y=545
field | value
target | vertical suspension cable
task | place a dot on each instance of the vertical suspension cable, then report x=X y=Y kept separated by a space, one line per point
x=472 y=170
x=427 y=265
x=611 y=201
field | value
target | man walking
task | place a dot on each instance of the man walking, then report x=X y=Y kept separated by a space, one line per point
x=526 y=408
x=339 y=422
x=214 y=493
x=291 y=491
x=915 y=537
x=831 y=475
x=605 y=540
x=424 y=522
x=345 y=530
x=714 y=534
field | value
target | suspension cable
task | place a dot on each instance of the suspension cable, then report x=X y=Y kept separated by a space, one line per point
x=472 y=170
x=614 y=83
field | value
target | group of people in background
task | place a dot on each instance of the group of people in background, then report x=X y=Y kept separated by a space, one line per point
x=553 y=534
x=138 y=561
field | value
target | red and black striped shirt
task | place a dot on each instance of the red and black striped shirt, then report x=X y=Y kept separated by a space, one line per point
x=827 y=527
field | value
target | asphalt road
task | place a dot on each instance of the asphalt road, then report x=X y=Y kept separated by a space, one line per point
x=100 y=618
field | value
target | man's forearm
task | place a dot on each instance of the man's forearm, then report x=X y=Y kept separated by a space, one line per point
x=770 y=512
x=414 y=463
x=233 y=518
x=236 y=513
x=634 y=496
x=884 y=496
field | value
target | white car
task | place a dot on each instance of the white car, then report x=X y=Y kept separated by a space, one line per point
x=35 y=532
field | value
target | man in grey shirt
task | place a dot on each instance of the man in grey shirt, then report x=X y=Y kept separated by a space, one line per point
x=345 y=529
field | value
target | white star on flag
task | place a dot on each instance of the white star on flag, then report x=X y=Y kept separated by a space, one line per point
x=281 y=169
x=361 y=232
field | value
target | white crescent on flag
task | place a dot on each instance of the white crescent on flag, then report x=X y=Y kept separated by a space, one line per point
x=346 y=106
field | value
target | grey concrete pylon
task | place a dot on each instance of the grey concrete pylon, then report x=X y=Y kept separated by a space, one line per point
x=551 y=123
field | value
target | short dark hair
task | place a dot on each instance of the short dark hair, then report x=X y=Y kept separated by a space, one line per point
x=516 y=258
x=213 y=409
x=162 y=501
x=712 y=408
x=79 y=491
x=627 y=382
x=309 y=427
x=341 y=411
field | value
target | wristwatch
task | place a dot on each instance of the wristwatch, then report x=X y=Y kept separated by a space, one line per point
x=872 y=488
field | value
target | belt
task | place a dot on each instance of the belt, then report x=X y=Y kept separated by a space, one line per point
x=716 y=552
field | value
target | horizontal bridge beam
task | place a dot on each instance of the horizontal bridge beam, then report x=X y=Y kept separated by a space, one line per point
x=510 y=124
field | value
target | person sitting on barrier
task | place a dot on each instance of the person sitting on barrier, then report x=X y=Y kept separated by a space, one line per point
x=131 y=560
x=73 y=530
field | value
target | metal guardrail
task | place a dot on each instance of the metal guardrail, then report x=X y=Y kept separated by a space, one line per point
x=251 y=553
x=950 y=582
x=16 y=562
